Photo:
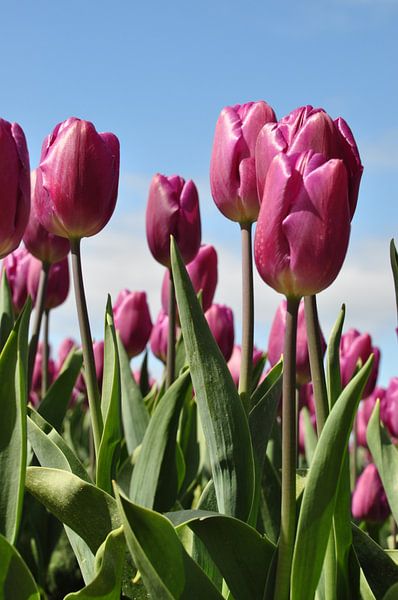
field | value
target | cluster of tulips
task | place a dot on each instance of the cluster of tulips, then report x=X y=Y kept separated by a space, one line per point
x=241 y=473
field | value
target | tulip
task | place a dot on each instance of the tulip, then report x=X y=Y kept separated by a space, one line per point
x=369 y=501
x=235 y=360
x=16 y=266
x=389 y=407
x=309 y=128
x=303 y=229
x=45 y=246
x=57 y=285
x=98 y=350
x=77 y=179
x=203 y=273
x=14 y=186
x=159 y=334
x=355 y=349
x=65 y=348
x=276 y=341
x=232 y=166
x=173 y=209
x=364 y=413
x=221 y=322
x=132 y=321
x=36 y=392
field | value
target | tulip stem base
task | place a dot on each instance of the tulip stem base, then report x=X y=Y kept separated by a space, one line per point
x=46 y=354
x=246 y=365
x=40 y=303
x=171 y=338
x=87 y=345
x=289 y=451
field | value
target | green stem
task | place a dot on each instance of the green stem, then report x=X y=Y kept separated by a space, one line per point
x=40 y=302
x=46 y=353
x=289 y=450
x=246 y=365
x=171 y=339
x=87 y=345
x=316 y=362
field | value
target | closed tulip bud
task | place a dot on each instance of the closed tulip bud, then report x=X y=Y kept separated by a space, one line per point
x=235 y=360
x=14 y=186
x=232 y=167
x=203 y=272
x=159 y=336
x=45 y=246
x=221 y=322
x=276 y=340
x=57 y=285
x=389 y=407
x=355 y=349
x=309 y=128
x=16 y=266
x=369 y=501
x=364 y=413
x=132 y=321
x=79 y=174
x=65 y=348
x=173 y=209
x=303 y=228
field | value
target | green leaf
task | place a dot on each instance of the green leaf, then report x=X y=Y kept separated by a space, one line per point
x=320 y=491
x=385 y=456
x=188 y=440
x=6 y=310
x=135 y=416
x=258 y=369
x=380 y=571
x=310 y=436
x=394 y=267
x=221 y=412
x=154 y=483
x=270 y=501
x=109 y=569
x=109 y=447
x=88 y=510
x=167 y=570
x=333 y=376
x=392 y=593
x=13 y=439
x=16 y=581
x=54 y=404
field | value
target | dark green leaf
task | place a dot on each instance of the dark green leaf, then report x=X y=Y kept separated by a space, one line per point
x=333 y=377
x=16 y=581
x=188 y=439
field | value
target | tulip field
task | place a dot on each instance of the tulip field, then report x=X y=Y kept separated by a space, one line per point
x=238 y=473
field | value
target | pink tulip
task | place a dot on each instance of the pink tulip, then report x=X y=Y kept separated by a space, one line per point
x=355 y=349
x=132 y=321
x=173 y=209
x=98 y=349
x=235 y=360
x=232 y=166
x=35 y=393
x=221 y=322
x=14 y=186
x=369 y=501
x=389 y=407
x=57 y=285
x=304 y=226
x=78 y=174
x=308 y=128
x=159 y=336
x=364 y=413
x=64 y=350
x=16 y=266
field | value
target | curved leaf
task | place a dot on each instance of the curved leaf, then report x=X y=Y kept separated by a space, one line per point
x=16 y=581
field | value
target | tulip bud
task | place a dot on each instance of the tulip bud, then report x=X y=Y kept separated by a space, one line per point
x=364 y=413
x=78 y=174
x=45 y=246
x=16 y=266
x=14 y=186
x=304 y=226
x=355 y=349
x=132 y=321
x=309 y=128
x=221 y=322
x=57 y=284
x=159 y=336
x=389 y=407
x=173 y=209
x=276 y=341
x=203 y=273
x=235 y=360
x=232 y=167
x=64 y=350
x=369 y=501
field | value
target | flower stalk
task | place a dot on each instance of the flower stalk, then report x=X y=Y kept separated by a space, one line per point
x=171 y=337
x=40 y=303
x=246 y=365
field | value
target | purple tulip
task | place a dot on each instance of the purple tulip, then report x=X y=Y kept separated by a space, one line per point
x=389 y=407
x=98 y=350
x=355 y=349
x=132 y=321
x=369 y=501
x=235 y=360
x=57 y=285
x=232 y=167
x=36 y=391
x=14 y=186
x=173 y=209
x=16 y=266
x=364 y=413
x=203 y=273
x=45 y=246
x=66 y=346
x=221 y=322
x=78 y=179
x=304 y=226
x=309 y=128
x=276 y=341
x=159 y=336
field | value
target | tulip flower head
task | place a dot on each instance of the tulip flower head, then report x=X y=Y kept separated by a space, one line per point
x=355 y=349
x=365 y=411
x=132 y=321
x=369 y=501
x=232 y=166
x=57 y=289
x=159 y=336
x=221 y=322
x=235 y=360
x=173 y=209
x=389 y=407
x=16 y=266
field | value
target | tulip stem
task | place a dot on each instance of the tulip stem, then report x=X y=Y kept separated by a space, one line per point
x=87 y=345
x=246 y=365
x=289 y=450
x=40 y=302
x=46 y=354
x=171 y=339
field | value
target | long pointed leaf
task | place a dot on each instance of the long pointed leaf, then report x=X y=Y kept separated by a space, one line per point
x=16 y=581
x=6 y=310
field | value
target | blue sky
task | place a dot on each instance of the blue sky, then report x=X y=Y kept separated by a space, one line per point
x=158 y=74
